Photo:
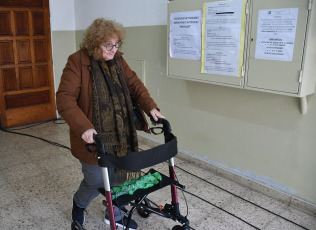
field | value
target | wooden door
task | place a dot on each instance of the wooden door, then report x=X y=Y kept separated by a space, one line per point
x=27 y=92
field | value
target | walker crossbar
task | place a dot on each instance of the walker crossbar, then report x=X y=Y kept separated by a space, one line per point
x=148 y=158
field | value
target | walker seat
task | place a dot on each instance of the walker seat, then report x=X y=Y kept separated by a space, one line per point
x=126 y=199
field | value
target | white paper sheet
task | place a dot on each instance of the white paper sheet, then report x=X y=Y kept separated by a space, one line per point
x=276 y=34
x=222 y=37
x=185 y=35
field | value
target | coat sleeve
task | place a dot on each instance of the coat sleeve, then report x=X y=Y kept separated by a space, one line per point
x=138 y=89
x=68 y=94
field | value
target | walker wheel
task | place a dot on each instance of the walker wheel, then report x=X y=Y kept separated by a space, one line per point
x=143 y=213
x=76 y=226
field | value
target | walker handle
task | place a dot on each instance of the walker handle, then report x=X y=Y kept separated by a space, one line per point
x=166 y=129
x=98 y=145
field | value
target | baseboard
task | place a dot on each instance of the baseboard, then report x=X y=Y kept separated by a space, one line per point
x=244 y=181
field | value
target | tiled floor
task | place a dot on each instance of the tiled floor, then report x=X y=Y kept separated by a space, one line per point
x=38 y=180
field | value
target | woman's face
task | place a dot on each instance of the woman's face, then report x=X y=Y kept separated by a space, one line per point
x=109 y=48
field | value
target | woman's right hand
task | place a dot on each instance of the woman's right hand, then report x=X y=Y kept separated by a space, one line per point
x=87 y=136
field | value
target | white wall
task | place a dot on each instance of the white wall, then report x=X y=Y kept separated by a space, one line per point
x=62 y=20
x=62 y=15
x=129 y=13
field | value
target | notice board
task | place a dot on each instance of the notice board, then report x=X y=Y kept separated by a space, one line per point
x=277 y=51
x=221 y=32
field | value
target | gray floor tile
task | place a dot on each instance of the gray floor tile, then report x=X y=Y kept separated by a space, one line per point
x=37 y=182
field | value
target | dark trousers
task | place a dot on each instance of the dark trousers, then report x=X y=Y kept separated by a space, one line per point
x=88 y=189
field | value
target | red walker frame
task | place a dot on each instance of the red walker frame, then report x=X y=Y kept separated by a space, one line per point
x=151 y=157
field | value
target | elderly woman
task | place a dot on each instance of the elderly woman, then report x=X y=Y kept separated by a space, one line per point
x=94 y=98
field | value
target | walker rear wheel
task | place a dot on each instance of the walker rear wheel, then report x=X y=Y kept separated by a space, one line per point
x=180 y=227
x=143 y=213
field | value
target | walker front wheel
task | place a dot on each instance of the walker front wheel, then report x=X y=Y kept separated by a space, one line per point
x=142 y=212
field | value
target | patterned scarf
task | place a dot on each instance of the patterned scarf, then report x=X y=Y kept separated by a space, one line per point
x=112 y=109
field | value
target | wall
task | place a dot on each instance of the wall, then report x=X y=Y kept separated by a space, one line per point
x=62 y=19
x=129 y=13
x=260 y=136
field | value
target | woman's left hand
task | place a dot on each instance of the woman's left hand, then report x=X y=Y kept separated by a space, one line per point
x=156 y=114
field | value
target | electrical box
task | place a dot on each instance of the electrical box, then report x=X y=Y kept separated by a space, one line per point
x=279 y=54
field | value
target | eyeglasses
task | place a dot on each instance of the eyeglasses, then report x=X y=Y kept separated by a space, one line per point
x=109 y=46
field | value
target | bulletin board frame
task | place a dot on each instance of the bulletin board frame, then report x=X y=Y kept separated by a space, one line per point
x=191 y=69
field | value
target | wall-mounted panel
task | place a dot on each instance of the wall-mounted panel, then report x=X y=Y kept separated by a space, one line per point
x=191 y=69
x=277 y=48
x=270 y=74
x=138 y=66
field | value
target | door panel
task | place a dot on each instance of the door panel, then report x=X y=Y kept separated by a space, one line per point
x=5 y=25
x=9 y=79
x=38 y=23
x=40 y=50
x=24 y=51
x=27 y=99
x=22 y=3
x=26 y=77
x=6 y=54
x=21 y=23
x=41 y=76
x=27 y=92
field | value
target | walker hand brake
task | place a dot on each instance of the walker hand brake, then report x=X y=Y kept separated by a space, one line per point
x=179 y=185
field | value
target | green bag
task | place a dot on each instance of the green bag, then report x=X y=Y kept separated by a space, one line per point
x=129 y=187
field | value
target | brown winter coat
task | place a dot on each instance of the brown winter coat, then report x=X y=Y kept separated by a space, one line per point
x=74 y=99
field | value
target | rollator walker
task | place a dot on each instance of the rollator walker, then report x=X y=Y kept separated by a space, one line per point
x=137 y=161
